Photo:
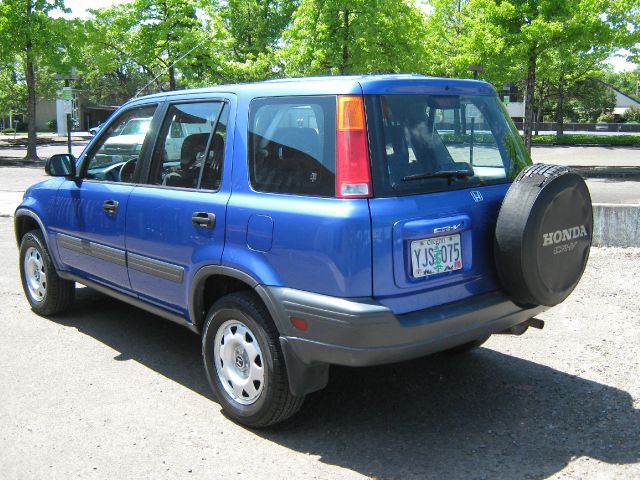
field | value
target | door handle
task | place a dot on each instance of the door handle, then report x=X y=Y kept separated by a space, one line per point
x=110 y=206
x=203 y=219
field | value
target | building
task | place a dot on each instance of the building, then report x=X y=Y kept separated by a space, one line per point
x=623 y=101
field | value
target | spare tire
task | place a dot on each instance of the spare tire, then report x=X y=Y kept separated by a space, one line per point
x=543 y=235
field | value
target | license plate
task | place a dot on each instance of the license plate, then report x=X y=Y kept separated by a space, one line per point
x=430 y=256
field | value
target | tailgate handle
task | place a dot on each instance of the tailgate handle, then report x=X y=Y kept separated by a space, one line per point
x=203 y=219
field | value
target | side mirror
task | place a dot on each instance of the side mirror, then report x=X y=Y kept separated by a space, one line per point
x=61 y=165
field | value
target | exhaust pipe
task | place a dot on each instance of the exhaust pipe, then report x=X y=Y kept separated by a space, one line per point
x=523 y=327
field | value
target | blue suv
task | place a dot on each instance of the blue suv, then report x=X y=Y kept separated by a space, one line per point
x=300 y=223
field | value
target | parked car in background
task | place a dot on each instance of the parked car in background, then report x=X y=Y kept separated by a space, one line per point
x=602 y=127
x=95 y=130
x=297 y=224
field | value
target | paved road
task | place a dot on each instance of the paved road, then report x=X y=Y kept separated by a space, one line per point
x=108 y=391
x=587 y=156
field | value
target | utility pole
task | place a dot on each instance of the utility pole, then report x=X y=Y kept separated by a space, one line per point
x=67 y=97
x=67 y=85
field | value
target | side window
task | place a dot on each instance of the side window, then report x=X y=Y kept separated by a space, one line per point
x=292 y=145
x=190 y=148
x=212 y=171
x=118 y=151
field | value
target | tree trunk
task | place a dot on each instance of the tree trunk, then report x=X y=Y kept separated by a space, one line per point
x=528 y=99
x=560 y=108
x=172 y=78
x=539 y=110
x=32 y=153
x=345 y=42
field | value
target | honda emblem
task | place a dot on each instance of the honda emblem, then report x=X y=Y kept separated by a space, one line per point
x=476 y=195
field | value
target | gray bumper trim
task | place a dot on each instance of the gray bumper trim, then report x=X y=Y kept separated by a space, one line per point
x=359 y=332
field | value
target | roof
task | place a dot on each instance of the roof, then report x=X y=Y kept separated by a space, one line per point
x=633 y=99
x=344 y=85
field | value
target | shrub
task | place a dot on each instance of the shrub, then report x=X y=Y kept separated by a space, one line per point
x=606 y=117
x=632 y=115
x=586 y=140
x=52 y=125
x=7 y=131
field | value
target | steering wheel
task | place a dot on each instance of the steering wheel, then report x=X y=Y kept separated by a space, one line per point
x=127 y=170
x=112 y=172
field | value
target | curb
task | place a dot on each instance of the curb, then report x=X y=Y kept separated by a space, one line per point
x=20 y=162
x=616 y=225
x=627 y=173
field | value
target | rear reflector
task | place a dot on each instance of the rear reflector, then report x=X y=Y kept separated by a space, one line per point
x=353 y=173
x=299 y=323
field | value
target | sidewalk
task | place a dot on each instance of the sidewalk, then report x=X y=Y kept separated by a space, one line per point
x=43 y=138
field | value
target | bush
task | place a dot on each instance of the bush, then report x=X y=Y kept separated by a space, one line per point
x=632 y=115
x=52 y=125
x=7 y=131
x=586 y=140
x=606 y=117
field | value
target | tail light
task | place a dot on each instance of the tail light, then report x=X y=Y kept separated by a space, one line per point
x=353 y=172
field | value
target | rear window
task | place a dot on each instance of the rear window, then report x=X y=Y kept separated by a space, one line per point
x=430 y=143
x=292 y=145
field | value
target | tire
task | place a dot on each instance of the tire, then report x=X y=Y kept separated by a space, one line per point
x=467 y=347
x=46 y=292
x=244 y=362
x=543 y=235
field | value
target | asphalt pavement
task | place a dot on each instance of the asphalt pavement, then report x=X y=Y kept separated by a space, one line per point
x=107 y=391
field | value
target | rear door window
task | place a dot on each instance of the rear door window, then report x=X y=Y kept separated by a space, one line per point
x=292 y=145
x=428 y=143
x=190 y=151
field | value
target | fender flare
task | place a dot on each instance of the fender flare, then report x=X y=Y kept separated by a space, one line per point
x=195 y=292
x=25 y=212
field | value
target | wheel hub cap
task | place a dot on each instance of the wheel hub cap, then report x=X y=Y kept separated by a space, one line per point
x=238 y=361
x=35 y=274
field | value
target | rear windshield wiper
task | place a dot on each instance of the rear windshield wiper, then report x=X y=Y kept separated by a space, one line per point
x=440 y=174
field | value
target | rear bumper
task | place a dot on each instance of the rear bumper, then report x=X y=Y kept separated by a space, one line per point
x=362 y=332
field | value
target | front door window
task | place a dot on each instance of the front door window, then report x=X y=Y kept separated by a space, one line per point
x=118 y=153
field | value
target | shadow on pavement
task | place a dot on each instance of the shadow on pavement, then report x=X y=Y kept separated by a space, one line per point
x=480 y=415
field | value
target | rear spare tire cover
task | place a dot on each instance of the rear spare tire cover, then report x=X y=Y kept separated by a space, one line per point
x=543 y=235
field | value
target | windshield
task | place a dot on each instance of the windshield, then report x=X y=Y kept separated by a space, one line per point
x=429 y=143
x=136 y=127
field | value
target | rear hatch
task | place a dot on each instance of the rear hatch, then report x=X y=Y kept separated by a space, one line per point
x=443 y=154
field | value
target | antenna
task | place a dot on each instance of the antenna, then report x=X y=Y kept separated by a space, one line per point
x=163 y=71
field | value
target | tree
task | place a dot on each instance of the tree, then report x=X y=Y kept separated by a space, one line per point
x=627 y=82
x=516 y=39
x=590 y=99
x=165 y=42
x=13 y=93
x=255 y=28
x=354 y=36
x=31 y=37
